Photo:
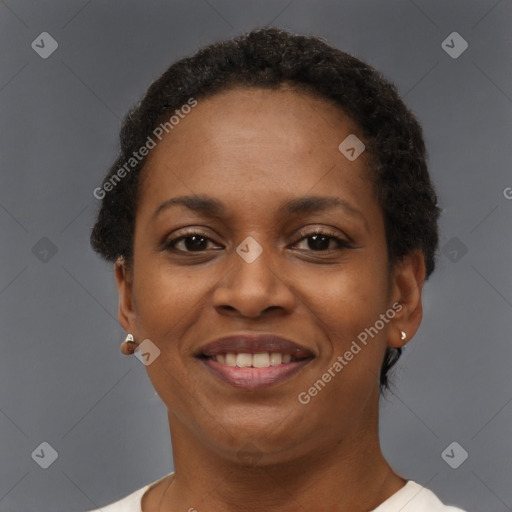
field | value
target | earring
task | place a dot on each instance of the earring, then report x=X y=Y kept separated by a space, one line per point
x=403 y=335
x=129 y=345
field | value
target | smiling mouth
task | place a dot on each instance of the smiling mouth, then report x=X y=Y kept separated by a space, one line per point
x=254 y=371
x=252 y=361
x=258 y=360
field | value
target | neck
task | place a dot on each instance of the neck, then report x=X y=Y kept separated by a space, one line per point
x=349 y=474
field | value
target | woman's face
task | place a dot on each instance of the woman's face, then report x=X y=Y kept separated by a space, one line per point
x=253 y=152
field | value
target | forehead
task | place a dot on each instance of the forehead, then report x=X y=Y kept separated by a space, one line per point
x=269 y=140
x=249 y=116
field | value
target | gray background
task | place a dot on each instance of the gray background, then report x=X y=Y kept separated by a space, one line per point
x=62 y=378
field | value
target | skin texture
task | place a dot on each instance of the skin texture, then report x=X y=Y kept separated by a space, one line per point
x=253 y=149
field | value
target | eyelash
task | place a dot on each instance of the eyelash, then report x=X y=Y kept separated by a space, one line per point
x=342 y=244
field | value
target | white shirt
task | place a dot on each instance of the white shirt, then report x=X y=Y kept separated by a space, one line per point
x=412 y=497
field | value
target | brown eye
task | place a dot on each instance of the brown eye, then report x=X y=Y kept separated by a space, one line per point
x=321 y=241
x=189 y=242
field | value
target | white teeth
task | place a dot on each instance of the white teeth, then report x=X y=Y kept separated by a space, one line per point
x=245 y=360
x=261 y=360
x=275 y=358
x=231 y=359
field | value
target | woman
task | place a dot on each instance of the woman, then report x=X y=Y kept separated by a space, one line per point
x=271 y=222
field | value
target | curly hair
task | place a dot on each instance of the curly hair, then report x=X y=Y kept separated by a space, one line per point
x=270 y=58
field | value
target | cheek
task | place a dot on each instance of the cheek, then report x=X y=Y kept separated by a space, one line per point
x=164 y=298
x=166 y=302
x=351 y=296
x=347 y=306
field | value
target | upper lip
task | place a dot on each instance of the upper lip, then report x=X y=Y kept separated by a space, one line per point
x=254 y=344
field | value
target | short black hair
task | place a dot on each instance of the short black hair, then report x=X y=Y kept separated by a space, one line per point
x=271 y=58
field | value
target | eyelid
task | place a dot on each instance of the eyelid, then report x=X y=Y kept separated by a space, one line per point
x=342 y=241
x=184 y=233
x=320 y=230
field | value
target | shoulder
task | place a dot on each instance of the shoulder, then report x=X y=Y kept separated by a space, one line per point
x=130 y=503
x=413 y=497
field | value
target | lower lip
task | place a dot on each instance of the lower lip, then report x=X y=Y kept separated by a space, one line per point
x=254 y=378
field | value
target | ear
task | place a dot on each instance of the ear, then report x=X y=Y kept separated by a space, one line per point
x=126 y=313
x=407 y=285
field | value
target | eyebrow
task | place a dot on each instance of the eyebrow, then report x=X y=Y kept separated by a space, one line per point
x=211 y=207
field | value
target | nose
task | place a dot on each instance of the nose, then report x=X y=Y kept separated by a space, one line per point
x=250 y=289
